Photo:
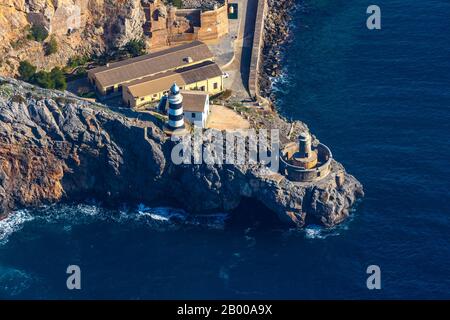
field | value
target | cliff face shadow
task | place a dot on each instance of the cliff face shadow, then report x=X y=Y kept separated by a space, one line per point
x=251 y=213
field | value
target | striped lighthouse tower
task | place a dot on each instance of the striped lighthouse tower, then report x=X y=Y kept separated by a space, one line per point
x=176 y=116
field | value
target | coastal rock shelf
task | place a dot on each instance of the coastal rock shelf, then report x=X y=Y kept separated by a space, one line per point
x=276 y=34
x=57 y=147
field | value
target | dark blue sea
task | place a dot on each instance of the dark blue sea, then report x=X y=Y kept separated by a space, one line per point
x=379 y=98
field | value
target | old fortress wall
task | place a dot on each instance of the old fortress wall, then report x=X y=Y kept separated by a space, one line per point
x=213 y=24
x=168 y=25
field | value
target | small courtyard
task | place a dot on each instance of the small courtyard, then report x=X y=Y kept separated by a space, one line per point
x=223 y=118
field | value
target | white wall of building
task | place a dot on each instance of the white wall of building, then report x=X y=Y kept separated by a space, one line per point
x=198 y=118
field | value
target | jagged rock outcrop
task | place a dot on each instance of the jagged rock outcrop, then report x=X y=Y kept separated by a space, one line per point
x=79 y=26
x=203 y=4
x=276 y=34
x=54 y=146
x=123 y=22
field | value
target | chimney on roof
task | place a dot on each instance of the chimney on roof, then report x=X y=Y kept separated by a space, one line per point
x=188 y=60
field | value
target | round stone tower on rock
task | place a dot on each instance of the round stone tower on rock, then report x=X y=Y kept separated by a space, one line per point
x=302 y=162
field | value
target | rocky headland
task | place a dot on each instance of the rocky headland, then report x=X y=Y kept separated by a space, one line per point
x=56 y=147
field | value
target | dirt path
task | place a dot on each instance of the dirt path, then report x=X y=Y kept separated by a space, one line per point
x=223 y=118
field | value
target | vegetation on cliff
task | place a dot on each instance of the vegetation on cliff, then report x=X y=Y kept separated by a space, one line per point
x=37 y=33
x=135 y=47
x=55 y=79
x=51 y=47
x=26 y=25
x=26 y=70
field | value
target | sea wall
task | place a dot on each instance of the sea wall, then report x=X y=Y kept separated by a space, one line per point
x=258 y=43
x=276 y=34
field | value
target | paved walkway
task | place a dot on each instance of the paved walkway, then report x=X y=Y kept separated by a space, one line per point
x=223 y=49
x=240 y=68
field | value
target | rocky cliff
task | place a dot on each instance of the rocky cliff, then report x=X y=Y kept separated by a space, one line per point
x=79 y=26
x=54 y=147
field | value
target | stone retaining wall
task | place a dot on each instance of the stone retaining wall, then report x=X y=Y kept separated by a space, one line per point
x=258 y=42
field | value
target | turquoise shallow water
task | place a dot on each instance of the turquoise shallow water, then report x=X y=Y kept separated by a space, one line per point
x=379 y=99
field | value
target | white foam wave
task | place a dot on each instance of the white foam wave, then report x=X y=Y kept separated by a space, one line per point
x=171 y=215
x=13 y=223
x=159 y=218
x=317 y=232
x=280 y=80
x=162 y=214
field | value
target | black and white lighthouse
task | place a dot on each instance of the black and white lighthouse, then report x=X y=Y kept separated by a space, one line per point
x=175 y=111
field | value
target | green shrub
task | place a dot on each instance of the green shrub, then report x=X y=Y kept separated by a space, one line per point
x=44 y=80
x=58 y=78
x=26 y=70
x=77 y=61
x=135 y=47
x=176 y=3
x=81 y=71
x=38 y=33
x=51 y=47
x=54 y=79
